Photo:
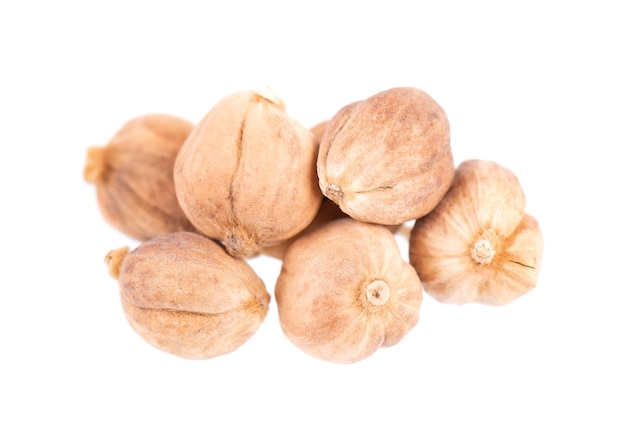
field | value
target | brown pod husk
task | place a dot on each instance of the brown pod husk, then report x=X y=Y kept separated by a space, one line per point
x=387 y=159
x=478 y=245
x=344 y=291
x=184 y=294
x=133 y=176
x=246 y=174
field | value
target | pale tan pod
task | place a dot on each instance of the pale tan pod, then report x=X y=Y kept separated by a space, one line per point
x=246 y=175
x=344 y=291
x=184 y=294
x=387 y=159
x=133 y=176
x=478 y=244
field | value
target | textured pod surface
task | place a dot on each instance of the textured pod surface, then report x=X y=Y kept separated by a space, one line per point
x=387 y=159
x=246 y=174
x=133 y=176
x=344 y=291
x=478 y=244
x=185 y=295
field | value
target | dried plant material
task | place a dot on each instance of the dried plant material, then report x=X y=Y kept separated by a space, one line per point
x=246 y=175
x=133 y=176
x=478 y=244
x=387 y=159
x=344 y=291
x=185 y=295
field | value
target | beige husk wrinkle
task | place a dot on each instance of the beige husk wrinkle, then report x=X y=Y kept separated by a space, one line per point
x=238 y=239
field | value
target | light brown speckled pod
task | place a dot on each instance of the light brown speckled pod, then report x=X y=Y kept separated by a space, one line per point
x=344 y=291
x=133 y=176
x=246 y=174
x=185 y=295
x=478 y=244
x=387 y=159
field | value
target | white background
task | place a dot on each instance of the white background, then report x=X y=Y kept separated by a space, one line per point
x=538 y=87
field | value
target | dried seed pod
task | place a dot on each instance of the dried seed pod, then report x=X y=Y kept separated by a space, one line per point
x=246 y=174
x=344 y=291
x=185 y=295
x=387 y=159
x=133 y=176
x=478 y=244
